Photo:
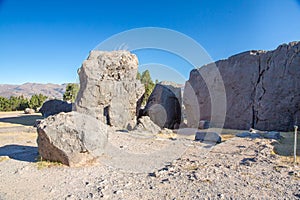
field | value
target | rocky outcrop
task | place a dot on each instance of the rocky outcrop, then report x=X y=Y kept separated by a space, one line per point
x=109 y=90
x=262 y=89
x=71 y=138
x=164 y=105
x=53 y=107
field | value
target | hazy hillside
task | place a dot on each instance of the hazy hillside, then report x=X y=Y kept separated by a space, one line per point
x=28 y=89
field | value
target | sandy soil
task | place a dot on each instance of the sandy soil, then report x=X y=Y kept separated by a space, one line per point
x=148 y=167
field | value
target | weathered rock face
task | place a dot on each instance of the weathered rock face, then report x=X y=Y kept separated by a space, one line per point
x=164 y=106
x=71 y=138
x=262 y=89
x=109 y=90
x=53 y=107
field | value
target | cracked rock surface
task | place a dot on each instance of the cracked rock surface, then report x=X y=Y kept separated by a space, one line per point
x=262 y=89
x=109 y=90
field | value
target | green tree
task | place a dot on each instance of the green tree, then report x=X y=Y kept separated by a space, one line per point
x=4 y=104
x=14 y=103
x=148 y=83
x=23 y=103
x=71 y=92
x=138 y=76
x=146 y=77
x=37 y=101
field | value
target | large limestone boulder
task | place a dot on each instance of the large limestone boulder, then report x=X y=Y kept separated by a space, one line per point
x=164 y=105
x=262 y=90
x=53 y=107
x=109 y=90
x=71 y=138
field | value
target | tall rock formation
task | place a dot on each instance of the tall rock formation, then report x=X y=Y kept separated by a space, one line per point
x=262 y=89
x=109 y=90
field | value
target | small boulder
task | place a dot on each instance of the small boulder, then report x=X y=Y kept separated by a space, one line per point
x=248 y=135
x=208 y=137
x=29 y=111
x=53 y=107
x=203 y=124
x=267 y=134
x=146 y=125
x=272 y=135
x=243 y=134
x=71 y=138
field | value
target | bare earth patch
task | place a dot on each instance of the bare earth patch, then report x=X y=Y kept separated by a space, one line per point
x=239 y=168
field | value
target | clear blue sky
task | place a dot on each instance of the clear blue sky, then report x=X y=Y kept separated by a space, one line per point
x=46 y=41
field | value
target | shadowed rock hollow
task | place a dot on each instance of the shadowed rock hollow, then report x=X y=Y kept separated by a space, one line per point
x=164 y=105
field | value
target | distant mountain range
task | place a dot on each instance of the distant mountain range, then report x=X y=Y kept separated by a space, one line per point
x=29 y=89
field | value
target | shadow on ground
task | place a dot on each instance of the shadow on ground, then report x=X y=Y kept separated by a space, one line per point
x=285 y=146
x=26 y=120
x=20 y=152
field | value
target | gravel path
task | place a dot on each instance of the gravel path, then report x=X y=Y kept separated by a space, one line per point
x=239 y=168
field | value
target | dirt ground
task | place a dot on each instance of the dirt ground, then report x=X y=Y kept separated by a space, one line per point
x=149 y=167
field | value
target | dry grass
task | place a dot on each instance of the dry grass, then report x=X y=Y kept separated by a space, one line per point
x=226 y=137
x=42 y=164
x=3 y=158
